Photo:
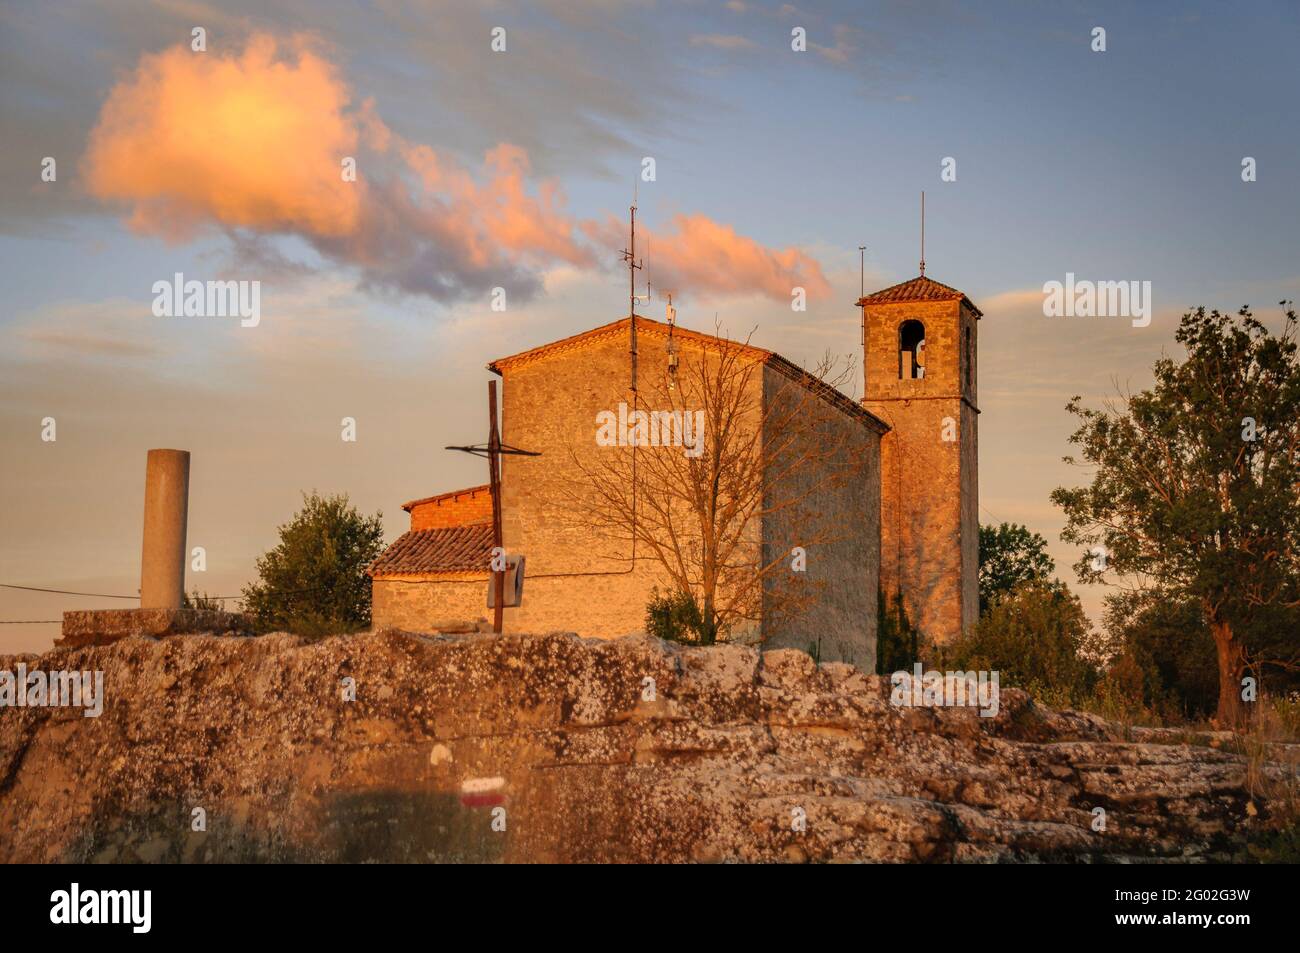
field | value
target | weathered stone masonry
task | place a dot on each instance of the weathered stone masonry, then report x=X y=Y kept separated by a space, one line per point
x=929 y=521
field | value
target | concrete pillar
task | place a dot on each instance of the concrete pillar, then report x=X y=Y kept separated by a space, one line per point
x=166 y=508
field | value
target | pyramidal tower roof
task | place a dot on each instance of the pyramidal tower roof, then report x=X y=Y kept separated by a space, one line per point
x=919 y=288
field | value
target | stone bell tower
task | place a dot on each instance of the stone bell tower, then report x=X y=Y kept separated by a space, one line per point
x=919 y=340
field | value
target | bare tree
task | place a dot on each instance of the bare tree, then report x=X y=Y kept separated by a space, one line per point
x=719 y=450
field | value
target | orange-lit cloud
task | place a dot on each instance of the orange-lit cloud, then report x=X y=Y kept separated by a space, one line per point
x=698 y=255
x=499 y=214
x=702 y=255
x=254 y=142
x=246 y=141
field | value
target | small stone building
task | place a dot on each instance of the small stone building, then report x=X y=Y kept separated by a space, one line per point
x=910 y=524
x=434 y=573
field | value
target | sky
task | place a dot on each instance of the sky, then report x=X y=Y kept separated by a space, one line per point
x=513 y=169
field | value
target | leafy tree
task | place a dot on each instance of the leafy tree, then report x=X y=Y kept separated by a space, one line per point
x=1167 y=643
x=1036 y=638
x=314 y=582
x=1010 y=555
x=1196 y=486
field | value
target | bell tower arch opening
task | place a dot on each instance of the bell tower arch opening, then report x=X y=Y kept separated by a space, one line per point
x=911 y=350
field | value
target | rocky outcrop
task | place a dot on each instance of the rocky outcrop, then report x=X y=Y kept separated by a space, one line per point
x=555 y=748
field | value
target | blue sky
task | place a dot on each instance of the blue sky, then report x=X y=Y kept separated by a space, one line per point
x=1115 y=166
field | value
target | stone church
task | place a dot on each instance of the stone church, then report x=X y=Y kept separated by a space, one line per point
x=909 y=525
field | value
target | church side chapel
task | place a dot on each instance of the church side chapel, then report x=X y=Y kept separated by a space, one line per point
x=819 y=503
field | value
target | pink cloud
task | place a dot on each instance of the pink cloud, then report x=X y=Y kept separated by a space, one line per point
x=254 y=142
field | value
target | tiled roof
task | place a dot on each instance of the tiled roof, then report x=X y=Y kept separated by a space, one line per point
x=445 y=496
x=919 y=288
x=458 y=549
x=657 y=329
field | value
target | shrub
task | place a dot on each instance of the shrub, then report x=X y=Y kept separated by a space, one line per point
x=674 y=617
x=1035 y=639
x=898 y=643
x=314 y=582
x=201 y=601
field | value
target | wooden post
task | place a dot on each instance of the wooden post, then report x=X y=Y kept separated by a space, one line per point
x=493 y=450
x=494 y=484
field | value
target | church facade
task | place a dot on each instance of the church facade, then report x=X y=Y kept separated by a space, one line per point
x=907 y=522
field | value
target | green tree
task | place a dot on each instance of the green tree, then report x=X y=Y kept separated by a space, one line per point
x=1010 y=555
x=1195 y=492
x=314 y=582
x=1036 y=638
x=1167 y=642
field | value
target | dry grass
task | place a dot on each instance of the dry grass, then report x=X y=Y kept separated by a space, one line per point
x=1271 y=747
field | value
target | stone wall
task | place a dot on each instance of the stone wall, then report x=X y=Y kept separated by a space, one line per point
x=418 y=603
x=970 y=517
x=578 y=578
x=102 y=626
x=837 y=526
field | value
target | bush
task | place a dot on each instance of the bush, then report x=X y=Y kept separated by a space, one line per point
x=1270 y=742
x=674 y=617
x=315 y=582
x=1035 y=639
x=898 y=643
x=1167 y=654
x=201 y=601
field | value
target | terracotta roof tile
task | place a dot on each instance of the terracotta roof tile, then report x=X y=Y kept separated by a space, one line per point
x=919 y=288
x=457 y=549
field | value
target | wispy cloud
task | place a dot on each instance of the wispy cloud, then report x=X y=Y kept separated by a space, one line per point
x=88 y=344
x=256 y=142
x=723 y=41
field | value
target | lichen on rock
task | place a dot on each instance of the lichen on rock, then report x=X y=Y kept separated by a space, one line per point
x=477 y=747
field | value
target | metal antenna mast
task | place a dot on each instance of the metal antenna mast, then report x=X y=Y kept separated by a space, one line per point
x=633 y=265
x=923 y=234
x=862 y=288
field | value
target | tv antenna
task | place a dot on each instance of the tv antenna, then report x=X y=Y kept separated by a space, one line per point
x=670 y=314
x=862 y=288
x=633 y=266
